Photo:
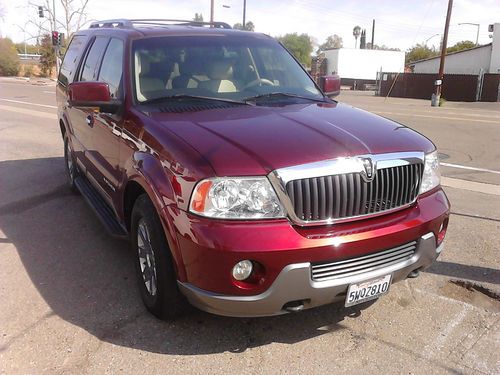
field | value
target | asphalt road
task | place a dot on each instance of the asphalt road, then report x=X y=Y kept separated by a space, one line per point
x=69 y=303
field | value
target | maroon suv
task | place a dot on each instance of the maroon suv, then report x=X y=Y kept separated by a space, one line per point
x=242 y=187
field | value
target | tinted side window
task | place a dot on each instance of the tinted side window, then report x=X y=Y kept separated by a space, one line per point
x=71 y=58
x=89 y=68
x=112 y=67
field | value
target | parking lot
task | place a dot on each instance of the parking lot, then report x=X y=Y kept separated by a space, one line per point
x=69 y=302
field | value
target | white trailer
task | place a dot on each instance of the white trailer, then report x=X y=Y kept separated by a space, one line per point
x=363 y=64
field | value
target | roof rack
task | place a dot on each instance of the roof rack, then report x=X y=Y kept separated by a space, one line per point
x=129 y=24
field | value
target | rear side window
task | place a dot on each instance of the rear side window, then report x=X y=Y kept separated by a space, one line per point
x=71 y=58
x=112 y=67
x=91 y=64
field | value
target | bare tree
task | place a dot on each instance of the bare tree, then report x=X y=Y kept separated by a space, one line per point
x=73 y=17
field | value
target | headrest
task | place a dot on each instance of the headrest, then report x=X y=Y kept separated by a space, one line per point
x=220 y=69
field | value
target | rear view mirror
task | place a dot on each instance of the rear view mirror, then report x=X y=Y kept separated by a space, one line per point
x=330 y=85
x=92 y=94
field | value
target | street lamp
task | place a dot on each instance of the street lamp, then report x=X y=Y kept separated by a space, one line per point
x=425 y=43
x=473 y=24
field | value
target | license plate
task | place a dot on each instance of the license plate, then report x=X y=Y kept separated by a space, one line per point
x=367 y=290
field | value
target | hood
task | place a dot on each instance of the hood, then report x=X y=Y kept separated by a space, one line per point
x=256 y=140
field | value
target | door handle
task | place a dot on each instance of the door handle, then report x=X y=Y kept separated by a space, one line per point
x=90 y=120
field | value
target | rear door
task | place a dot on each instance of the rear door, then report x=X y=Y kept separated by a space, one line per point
x=107 y=128
x=81 y=117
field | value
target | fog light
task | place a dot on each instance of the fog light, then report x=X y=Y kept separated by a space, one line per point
x=442 y=231
x=242 y=270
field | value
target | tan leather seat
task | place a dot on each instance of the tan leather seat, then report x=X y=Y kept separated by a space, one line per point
x=148 y=83
x=220 y=74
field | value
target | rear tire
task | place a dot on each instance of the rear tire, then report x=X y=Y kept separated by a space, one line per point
x=156 y=276
x=70 y=165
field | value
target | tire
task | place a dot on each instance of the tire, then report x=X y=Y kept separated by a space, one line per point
x=70 y=165
x=156 y=276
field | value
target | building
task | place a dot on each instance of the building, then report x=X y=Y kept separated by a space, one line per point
x=360 y=66
x=481 y=59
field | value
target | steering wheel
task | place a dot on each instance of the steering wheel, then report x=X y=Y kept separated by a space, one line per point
x=260 y=82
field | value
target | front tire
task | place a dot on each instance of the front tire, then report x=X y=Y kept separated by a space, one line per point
x=156 y=275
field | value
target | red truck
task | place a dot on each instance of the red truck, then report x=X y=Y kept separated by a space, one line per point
x=242 y=187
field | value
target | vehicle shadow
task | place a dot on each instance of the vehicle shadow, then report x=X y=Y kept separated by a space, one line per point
x=464 y=271
x=87 y=278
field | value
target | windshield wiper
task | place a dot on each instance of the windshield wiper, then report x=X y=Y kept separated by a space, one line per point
x=282 y=94
x=186 y=96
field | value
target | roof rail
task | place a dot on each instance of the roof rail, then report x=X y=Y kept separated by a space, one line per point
x=111 y=23
x=129 y=23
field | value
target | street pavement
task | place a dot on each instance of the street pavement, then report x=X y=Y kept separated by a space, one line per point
x=69 y=303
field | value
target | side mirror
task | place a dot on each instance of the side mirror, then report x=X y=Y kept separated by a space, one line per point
x=92 y=94
x=330 y=85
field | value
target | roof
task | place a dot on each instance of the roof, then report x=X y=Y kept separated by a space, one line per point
x=451 y=53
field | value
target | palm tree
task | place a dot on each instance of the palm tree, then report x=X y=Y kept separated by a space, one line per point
x=356 y=31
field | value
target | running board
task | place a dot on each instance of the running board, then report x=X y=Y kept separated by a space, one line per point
x=100 y=207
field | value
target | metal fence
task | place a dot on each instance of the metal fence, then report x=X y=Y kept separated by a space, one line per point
x=456 y=87
x=490 y=88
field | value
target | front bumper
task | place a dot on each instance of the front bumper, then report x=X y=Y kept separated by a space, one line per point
x=295 y=285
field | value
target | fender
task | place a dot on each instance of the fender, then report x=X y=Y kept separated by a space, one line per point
x=147 y=170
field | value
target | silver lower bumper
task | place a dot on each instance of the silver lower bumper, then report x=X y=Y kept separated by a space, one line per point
x=294 y=283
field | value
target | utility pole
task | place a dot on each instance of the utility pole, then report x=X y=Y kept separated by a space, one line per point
x=373 y=33
x=437 y=93
x=211 y=11
x=244 y=13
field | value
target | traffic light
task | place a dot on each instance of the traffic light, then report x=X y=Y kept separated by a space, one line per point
x=55 y=38
x=40 y=12
x=60 y=39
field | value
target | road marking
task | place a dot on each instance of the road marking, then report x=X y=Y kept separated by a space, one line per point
x=471 y=168
x=432 y=349
x=49 y=92
x=21 y=102
x=479 y=187
x=438 y=117
x=30 y=112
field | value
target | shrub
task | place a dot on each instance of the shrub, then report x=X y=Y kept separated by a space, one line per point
x=9 y=60
x=28 y=71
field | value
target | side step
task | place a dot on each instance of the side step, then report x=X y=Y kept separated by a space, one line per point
x=100 y=207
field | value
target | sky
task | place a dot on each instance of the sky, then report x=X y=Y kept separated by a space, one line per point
x=399 y=23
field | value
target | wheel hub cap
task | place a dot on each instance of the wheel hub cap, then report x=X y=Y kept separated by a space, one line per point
x=146 y=258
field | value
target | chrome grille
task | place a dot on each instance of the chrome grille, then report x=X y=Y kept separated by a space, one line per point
x=348 y=195
x=366 y=263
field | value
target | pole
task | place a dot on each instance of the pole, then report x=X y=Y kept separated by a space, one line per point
x=438 y=84
x=373 y=33
x=211 y=11
x=244 y=13
x=477 y=35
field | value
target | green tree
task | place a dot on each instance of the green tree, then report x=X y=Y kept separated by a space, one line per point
x=30 y=48
x=464 y=44
x=331 y=42
x=47 y=58
x=198 y=17
x=419 y=52
x=9 y=60
x=249 y=26
x=299 y=45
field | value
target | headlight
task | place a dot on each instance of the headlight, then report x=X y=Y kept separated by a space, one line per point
x=431 y=177
x=236 y=198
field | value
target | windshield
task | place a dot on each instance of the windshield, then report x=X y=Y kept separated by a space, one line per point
x=217 y=66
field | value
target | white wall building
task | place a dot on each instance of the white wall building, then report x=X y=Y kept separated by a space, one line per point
x=363 y=64
x=470 y=61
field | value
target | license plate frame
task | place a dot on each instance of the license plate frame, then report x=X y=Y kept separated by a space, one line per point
x=368 y=290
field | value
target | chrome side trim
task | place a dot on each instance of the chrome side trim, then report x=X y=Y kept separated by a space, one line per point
x=279 y=178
